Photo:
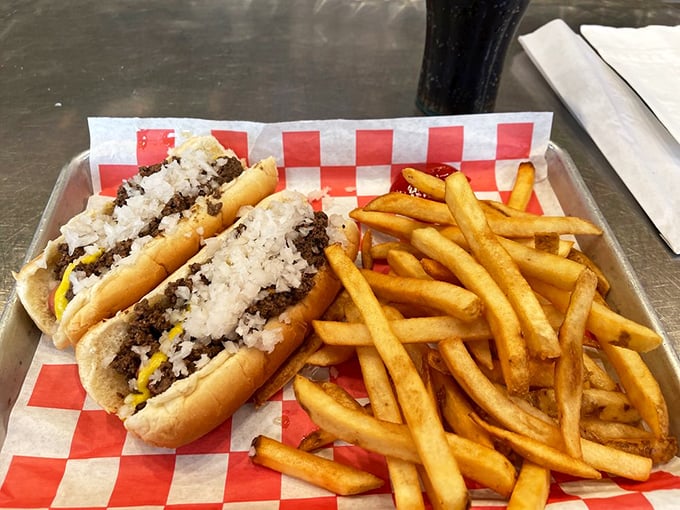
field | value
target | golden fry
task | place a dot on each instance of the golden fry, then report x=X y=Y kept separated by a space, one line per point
x=406 y=264
x=542 y=454
x=329 y=355
x=387 y=223
x=528 y=226
x=445 y=297
x=607 y=325
x=425 y=183
x=403 y=474
x=285 y=373
x=420 y=414
x=330 y=475
x=411 y=330
x=438 y=271
x=477 y=462
x=597 y=376
x=540 y=337
x=456 y=409
x=603 y=284
x=418 y=208
x=569 y=366
x=602 y=404
x=641 y=387
x=366 y=255
x=379 y=251
x=532 y=488
x=499 y=313
x=548 y=242
x=523 y=186
x=488 y=397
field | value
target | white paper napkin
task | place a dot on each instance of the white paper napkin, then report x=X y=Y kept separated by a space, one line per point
x=641 y=150
x=648 y=58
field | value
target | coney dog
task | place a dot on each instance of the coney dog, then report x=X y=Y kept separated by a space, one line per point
x=117 y=249
x=184 y=358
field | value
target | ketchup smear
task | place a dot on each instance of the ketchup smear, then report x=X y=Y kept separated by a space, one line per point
x=400 y=185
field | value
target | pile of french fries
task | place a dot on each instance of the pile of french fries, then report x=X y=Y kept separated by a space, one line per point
x=488 y=352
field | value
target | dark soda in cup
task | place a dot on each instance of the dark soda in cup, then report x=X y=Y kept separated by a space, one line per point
x=465 y=46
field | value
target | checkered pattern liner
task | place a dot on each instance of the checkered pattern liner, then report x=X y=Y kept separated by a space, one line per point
x=62 y=451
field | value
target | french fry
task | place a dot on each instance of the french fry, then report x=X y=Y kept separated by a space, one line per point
x=456 y=409
x=379 y=251
x=499 y=313
x=445 y=297
x=548 y=242
x=641 y=387
x=387 y=223
x=617 y=462
x=285 y=373
x=658 y=451
x=320 y=438
x=418 y=354
x=403 y=474
x=424 y=182
x=540 y=337
x=523 y=186
x=528 y=226
x=437 y=363
x=366 y=255
x=438 y=271
x=481 y=351
x=419 y=412
x=569 y=366
x=542 y=454
x=596 y=375
x=329 y=355
x=410 y=330
x=341 y=395
x=433 y=212
x=330 y=475
x=316 y=440
x=418 y=208
x=603 y=284
x=479 y=463
x=602 y=431
x=488 y=397
x=602 y=404
x=607 y=325
x=532 y=488
x=541 y=372
x=544 y=266
x=406 y=264
x=508 y=211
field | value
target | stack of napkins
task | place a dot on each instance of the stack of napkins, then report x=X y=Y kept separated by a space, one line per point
x=622 y=88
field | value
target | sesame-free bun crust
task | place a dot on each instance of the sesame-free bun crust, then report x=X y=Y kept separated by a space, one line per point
x=194 y=406
x=128 y=282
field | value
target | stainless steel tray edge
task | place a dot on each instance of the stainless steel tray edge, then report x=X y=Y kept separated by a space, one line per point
x=606 y=251
x=18 y=334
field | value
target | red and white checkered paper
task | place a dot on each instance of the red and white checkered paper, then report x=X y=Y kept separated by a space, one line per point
x=62 y=451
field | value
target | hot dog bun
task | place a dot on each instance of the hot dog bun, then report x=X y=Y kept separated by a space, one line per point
x=196 y=404
x=142 y=270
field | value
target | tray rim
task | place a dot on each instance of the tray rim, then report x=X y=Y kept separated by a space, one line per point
x=14 y=317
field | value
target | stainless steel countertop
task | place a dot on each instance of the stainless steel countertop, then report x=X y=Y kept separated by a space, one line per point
x=266 y=60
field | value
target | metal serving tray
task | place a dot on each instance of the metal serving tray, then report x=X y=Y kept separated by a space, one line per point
x=19 y=336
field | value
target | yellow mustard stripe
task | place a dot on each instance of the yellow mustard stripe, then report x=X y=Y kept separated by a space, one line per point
x=60 y=301
x=143 y=378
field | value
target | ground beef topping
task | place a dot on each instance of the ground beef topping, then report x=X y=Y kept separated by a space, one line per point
x=151 y=202
x=287 y=242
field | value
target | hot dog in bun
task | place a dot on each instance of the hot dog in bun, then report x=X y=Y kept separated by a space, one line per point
x=118 y=249
x=184 y=358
